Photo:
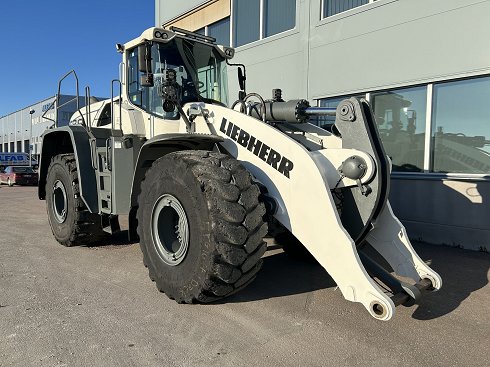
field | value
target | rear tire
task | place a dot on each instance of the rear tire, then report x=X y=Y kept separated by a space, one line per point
x=218 y=245
x=71 y=222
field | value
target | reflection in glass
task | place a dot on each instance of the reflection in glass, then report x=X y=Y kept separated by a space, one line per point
x=221 y=31
x=461 y=127
x=400 y=116
x=246 y=21
x=332 y=7
x=280 y=16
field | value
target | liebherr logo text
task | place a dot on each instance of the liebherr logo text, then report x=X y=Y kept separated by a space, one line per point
x=260 y=149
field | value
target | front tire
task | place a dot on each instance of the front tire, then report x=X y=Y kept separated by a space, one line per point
x=71 y=222
x=200 y=225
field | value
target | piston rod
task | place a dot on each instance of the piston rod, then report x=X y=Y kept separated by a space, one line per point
x=321 y=111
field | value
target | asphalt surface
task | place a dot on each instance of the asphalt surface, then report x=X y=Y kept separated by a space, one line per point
x=95 y=306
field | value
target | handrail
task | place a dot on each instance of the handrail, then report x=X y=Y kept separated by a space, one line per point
x=112 y=104
x=71 y=100
x=87 y=109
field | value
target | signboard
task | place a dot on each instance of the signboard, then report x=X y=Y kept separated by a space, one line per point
x=15 y=159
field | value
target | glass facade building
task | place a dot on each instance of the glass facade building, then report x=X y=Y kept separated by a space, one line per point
x=421 y=66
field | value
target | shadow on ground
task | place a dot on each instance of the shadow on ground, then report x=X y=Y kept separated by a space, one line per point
x=463 y=272
x=119 y=239
x=281 y=276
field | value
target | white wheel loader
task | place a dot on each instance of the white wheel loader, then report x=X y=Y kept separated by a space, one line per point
x=202 y=182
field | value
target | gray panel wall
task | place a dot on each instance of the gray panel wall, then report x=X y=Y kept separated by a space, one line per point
x=169 y=9
x=380 y=45
x=390 y=43
x=446 y=211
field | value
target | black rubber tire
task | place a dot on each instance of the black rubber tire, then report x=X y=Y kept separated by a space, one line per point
x=293 y=247
x=226 y=226
x=80 y=226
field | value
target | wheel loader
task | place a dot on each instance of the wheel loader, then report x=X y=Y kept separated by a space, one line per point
x=203 y=180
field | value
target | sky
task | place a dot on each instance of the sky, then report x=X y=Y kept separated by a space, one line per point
x=42 y=40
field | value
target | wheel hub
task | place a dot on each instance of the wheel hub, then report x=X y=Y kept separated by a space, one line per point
x=59 y=201
x=170 y=229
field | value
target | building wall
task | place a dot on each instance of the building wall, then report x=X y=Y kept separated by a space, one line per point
x=445 y=211
x=375 y=48
x=15 y=128
x=166 y=10
x=403 y=42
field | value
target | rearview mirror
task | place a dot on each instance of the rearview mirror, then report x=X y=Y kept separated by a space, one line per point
x=144 y=64
x=241 y=78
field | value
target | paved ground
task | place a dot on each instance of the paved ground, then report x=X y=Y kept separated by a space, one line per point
x=95 y=306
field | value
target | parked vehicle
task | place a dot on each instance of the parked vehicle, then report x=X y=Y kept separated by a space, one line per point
x=16 y=159
x=18 y=175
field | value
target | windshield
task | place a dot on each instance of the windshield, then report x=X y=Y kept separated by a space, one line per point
x=201 y=71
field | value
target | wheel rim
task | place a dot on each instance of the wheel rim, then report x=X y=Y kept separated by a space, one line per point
x=59 y=201
x=170 y=229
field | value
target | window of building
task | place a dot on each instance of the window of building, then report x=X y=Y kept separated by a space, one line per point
x=1 y=148
x=256 y=19
x=279 y=16
x=6 y=147
x=12 y=147
x=19 y=146
x=221 y=31
x=461 y=126
x=332 y=7
x=246 y=21
x=401 y=117
x=26 y=146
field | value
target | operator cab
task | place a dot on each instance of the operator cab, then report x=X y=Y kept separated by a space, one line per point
x=167 y=69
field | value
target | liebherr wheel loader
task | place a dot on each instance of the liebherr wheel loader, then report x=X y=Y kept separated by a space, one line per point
x=201 y=182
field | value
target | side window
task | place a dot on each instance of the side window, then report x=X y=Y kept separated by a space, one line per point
x=137 y=95
x=147 y=97
x=105 y=116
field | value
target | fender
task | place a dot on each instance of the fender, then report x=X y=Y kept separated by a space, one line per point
x=70 y=139
x=155 y=148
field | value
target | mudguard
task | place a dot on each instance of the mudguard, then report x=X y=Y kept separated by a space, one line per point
x=70 y=139
x=155 y=148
